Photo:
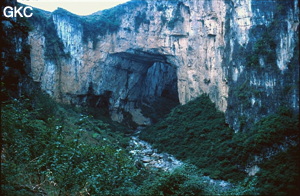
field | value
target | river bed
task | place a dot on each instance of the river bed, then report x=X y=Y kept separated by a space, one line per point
x=144 y=153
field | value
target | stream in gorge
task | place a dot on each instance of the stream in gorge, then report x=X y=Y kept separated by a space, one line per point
x=144 y=153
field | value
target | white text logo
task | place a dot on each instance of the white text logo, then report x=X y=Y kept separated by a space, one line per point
x=10 y=12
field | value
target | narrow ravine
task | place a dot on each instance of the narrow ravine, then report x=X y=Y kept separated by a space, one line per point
x=144 y=153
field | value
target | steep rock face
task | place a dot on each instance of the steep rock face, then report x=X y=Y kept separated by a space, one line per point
x=15 y=55
x=208 y=44
x=263 y=62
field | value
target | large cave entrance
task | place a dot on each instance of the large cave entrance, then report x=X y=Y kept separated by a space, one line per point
x=148 y=88
x=160 y=92
x=133 y=87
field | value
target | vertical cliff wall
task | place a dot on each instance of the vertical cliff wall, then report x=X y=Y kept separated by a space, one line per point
x=242 y=53
x=263 y=63
x=14 y=54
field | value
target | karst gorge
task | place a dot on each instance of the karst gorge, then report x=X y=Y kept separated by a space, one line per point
x=152 y=97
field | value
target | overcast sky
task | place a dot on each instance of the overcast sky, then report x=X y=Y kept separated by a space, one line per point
x=79 y=7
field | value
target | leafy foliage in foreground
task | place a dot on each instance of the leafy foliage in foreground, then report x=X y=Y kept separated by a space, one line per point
x=182 y=181
x=189 y=180
x=158 y=108
x=280 y=175
x=194 y=132
x=197 y=133
x=52 y=149
x=63 y=154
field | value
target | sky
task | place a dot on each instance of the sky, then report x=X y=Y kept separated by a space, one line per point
x=79 y=7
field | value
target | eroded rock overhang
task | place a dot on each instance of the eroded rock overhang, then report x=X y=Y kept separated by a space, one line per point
x=206 y=42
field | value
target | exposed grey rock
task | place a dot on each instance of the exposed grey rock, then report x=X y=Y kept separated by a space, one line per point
x=162 y=161
x=167 y=162
x=188 y=48
x=146 y=160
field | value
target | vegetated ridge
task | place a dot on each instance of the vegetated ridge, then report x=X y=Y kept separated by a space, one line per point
x=197 y=133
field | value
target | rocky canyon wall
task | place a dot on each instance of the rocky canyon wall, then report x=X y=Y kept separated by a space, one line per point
x=242 y=53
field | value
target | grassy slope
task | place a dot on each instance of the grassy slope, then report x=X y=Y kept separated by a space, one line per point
x=197 y=133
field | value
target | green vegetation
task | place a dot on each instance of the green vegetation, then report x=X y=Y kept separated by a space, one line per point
x=244 y=92
x=108 y=21
x=54 y=45
x=183 y=181
x=197 y=133
x=55 y=149
x=280 y=175
x=283 y=7
x=16 y=58
x=92 y=26
x=99 y=25
x=157 y=109
x=263 y=48
x=50 y=148
x=267 y=39
x=189 y=180
x=15 y=52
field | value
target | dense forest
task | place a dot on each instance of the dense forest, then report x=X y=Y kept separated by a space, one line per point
x=55 y=149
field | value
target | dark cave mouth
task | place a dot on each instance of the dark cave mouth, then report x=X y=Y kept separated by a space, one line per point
x=160 y=93
x=150 y=84
x=155 y=93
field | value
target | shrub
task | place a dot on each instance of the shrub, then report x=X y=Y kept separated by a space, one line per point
x=58 y=155
x=182 y=181
x=197 y=133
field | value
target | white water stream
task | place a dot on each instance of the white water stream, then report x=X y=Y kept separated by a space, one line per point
x=143 y=152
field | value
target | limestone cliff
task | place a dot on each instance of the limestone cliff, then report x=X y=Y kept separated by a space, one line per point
x=242 y=53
